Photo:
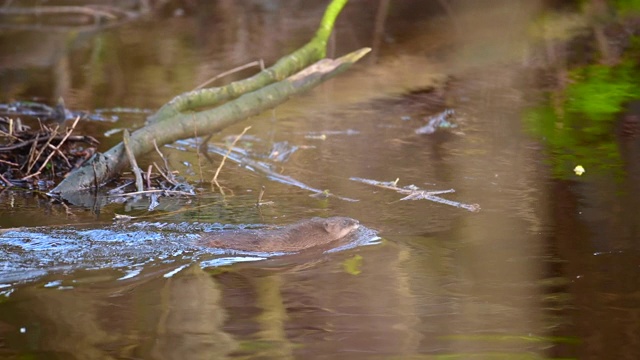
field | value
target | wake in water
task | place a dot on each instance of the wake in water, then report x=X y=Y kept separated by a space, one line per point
x=29 y=254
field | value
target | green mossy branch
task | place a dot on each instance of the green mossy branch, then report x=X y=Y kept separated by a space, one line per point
x=298 y=72
x=286 y=66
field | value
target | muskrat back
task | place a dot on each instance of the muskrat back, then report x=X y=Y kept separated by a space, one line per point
x=295 y=237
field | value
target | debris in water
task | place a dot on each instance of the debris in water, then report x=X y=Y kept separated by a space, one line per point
x=437 y=121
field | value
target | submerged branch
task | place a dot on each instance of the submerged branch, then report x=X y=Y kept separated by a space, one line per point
x=412 y=192
x=262 y=167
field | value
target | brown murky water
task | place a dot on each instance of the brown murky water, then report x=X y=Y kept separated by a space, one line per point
x=547 y=269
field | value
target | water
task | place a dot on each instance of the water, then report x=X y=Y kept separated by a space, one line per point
x=546 y=269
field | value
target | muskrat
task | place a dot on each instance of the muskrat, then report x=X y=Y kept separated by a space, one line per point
x=291 y=238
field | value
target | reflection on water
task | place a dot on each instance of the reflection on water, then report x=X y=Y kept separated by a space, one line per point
x=546 y=269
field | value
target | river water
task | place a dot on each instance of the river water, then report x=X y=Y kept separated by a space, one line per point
x=547 y=268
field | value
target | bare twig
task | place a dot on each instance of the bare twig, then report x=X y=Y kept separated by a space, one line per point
x=153 y=191
x=171 y=181
x=132 y=161
x=95 y=178
x=62 y=155
x=34 y=154
x=6 y=182
x=260 y=203
x=85 y=138
x=229 y=72
x=69 y=131
x=9 y=163
x=195 y=137
x=40 y=10
x=169 y=175
x=11 y=132
x=215 y=177
x=414 y=193
x=117 y=189
x=261 y=194
x=149 y=176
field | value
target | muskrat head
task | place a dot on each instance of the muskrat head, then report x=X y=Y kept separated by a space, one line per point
x=340 y=227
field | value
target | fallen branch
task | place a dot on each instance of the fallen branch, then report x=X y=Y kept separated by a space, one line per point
x=112 y=162
x=176 y=120
x=414 y=193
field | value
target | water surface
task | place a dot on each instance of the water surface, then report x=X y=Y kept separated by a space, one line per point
x=546 y=269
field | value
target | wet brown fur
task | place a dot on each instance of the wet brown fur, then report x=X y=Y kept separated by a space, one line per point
x=295 y=237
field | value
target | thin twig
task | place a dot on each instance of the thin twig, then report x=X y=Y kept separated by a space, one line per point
x=229 y=72
x=61 y=154
x=195 y=136
x=33 y=160
x=9 y=163
x=149 y=176
x=115 y=190
x=6 y=182
x=215 y=177
x=260 y=195
x=10 y=133
x=95 y=177
x=260 y=203
x=414 y=193
x=40 y=10
x=85 y=138
x=132 y=160
x=163 y=175
x=172 y=192
x=166 y=164
x=69 y=131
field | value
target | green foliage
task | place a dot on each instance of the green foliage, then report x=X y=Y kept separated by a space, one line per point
x=627 y=6
x=599 y=91
x=578 y=127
